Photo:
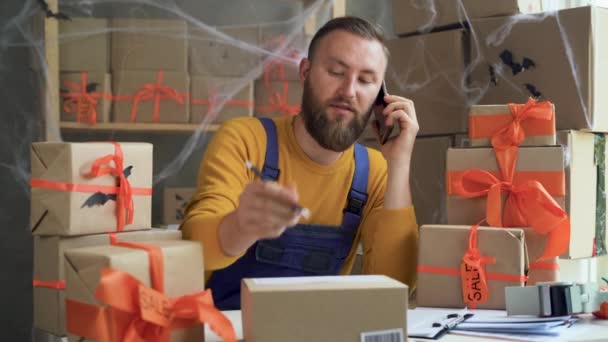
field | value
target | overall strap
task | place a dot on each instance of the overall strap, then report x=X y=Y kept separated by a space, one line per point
x=271 y=171
x=357 y=195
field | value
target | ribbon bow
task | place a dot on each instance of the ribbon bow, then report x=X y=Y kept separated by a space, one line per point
x=528 y=204
x=124 y=197
x=513 y=134
x=81 y=102
x=155 y=91
x=137 y=313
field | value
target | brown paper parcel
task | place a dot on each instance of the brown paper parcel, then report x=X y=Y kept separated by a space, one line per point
x=49 y=307
x=84 y=45
x=410 y=17
x=277 y=98
x=55 y=212
x=560 y=57
x=183 y=273
x=174 y=203
x=149 y=44
x=77 y=105
x=287 y=309
x=465 y=211
x=444 y=247
x=429 y=70
x=208 y=92
x=171 y=87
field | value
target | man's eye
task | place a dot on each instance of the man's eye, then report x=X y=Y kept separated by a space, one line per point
x=336 y=73
x=365 y=81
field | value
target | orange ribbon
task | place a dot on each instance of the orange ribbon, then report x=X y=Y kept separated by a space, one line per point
x=81 y=102
x=213 y=102
x=155 y=256
x=57 y=285
x=153 y=91
x=137 y=313
x=530 y=119
x=528 y=204
x=278 y=100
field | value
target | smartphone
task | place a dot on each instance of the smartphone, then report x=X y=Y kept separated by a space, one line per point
x=384 y=131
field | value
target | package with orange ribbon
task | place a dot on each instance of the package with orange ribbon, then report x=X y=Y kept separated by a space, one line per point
x=86 y=97
x=286 y=49
x=469 y=266
x=151 y=96
x=152 y=291
x=529 y=124
x=49 y=278
x=277 y=98
x=87 y=188
x=208 y=94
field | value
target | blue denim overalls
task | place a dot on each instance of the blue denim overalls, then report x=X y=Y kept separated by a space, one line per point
x=303 y=250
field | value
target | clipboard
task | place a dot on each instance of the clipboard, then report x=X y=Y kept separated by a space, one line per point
x=437 y=328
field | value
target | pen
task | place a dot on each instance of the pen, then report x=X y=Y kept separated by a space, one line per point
x=304 y=212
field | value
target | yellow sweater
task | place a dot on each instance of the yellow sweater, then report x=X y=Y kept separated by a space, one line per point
x=389 y=236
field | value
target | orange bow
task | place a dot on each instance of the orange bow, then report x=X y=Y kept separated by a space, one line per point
x=137 y=313
x=155 y=91
x=124 y=197
x=513 y=134
x=528 y=204
x=81 y=102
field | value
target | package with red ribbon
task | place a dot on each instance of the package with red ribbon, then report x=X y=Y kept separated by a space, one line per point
x=151 y=96
x=529 y=124
x=219 y=99
x=87 y=188
x=286 y=46
x=277 y=98
x=469 y=266
x=49 y=278
x=86 y=97
x=152 y=291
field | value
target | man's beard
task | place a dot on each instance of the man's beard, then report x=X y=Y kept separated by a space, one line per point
x=330 y=135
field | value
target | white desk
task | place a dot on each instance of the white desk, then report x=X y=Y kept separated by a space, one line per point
x=590 y=331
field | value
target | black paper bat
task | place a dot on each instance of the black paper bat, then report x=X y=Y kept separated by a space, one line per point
x=100 y=198
x=527 y=63
x=493 y=77
x=507 y=58
x=533 y=91
x=50 y=14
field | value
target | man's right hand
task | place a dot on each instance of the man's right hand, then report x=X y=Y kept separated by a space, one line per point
x=265 y=210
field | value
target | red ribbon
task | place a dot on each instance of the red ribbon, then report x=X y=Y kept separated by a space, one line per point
x=81 y=102
x=57 y=285
x=514 y=134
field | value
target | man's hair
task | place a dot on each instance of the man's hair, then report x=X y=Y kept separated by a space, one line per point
x=354 y=25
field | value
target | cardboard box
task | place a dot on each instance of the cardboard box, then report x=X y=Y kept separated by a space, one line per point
x=229 y=51
x=427 y=181
x=149 y=44
x=434 y=289
x=175 y=202
x=92 y=209
x=183 y=275
x=581 y=195
x=174 y=104
x=283 y=42
x=410 y=17
x=537 y=270
x=538 y=123
x=207 y=92
x=429 y=70
x=551 y=66
x=86 y=97
x=277 y=98
x=49 y=303
x=84 y=45
x=287 y=309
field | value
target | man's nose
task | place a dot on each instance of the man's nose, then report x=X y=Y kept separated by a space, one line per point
x=347 y=87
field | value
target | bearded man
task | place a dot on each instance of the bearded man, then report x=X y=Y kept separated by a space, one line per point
x=253 y=227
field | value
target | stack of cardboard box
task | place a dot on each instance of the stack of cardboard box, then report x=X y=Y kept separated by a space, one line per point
x=91 y=212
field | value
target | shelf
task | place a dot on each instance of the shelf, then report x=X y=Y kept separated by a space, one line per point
x=135 y=127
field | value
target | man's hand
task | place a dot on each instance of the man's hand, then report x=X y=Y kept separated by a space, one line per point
x=398 y=151
x=265 y=210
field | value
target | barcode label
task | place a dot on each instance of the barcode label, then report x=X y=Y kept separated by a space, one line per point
x=394 y=335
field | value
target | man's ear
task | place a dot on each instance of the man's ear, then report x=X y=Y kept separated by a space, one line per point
x=304 y=69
